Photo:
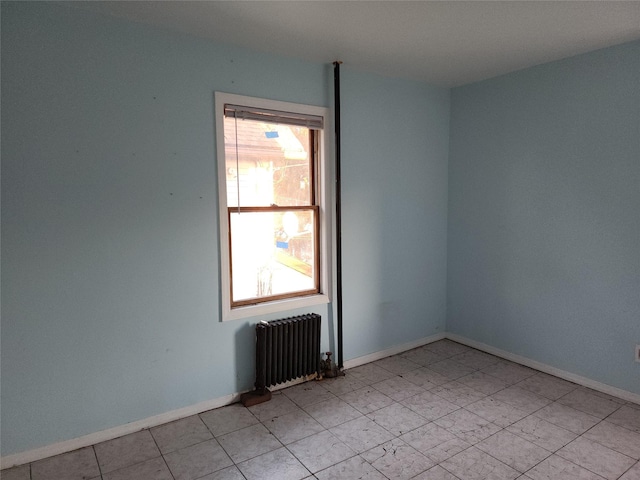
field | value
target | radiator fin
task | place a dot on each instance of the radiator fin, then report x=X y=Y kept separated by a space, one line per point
x=287 y=349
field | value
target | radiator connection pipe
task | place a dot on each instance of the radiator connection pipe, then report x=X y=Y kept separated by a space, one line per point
x=336 y=97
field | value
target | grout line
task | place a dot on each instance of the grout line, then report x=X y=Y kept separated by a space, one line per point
x=162 y=454
x=629 y=469
x=95 y=454
x=434 y=387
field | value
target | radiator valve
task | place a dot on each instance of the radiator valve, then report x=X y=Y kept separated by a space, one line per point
x=329 y=369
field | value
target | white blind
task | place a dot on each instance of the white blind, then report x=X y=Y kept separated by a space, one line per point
x=314 y=122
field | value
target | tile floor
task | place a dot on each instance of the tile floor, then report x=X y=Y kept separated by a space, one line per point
x=439 y=412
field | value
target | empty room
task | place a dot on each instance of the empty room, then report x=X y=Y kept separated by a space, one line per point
x=199 y=200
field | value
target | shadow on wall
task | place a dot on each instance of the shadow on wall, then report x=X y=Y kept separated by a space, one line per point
x=245 y=357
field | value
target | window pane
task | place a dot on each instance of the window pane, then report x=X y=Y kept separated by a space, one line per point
x=272 y=253
x=271 y=165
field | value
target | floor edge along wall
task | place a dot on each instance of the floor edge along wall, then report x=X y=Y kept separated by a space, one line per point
x=115 y=432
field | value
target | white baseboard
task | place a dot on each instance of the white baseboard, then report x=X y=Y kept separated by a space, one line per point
x=115 y=432
x=372 y=357
x=121 y=430
x=150 y=422
x=527 y=362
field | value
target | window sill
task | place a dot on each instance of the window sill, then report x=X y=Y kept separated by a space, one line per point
x=274 y=307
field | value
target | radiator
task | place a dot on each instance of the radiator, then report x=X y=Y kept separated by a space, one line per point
x=287 y=349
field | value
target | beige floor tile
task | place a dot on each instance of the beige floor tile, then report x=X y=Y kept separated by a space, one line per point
x=22 y=472
x=474 y=464
x=468 y=426
x=342 y=384
x=458 y=393
x=369 y=373
x=508 y=372
x=521 y=399
x=542 y=433
x=557 y=468
x=512 y=450
x=447 y=348
x=125 y=451
x=429 y=405
x=78 y=464
x=180 y=434
x=397 y=388
x=398 y=460
x=425 y=378
x=353 y=468
x=422 y=356
x=367 y=400
x=500 y=413
x=308 y=393
x=566 y=417
x=228 y=419
x=154 y=469
x=483 y=382
x=616 y=438
x=436 y=473
x=589 y=402
x=320 y=451
x=292 y=427
x=436 y=443
x=397 y=364
x=197 y=460
x=633 y=473
x=276 y=465
x=547 y=385
x=249 y=442
x=229 y=473
x=451 y=369
x=596 y=458
x=332 y=412
x=627 y=416
x=361 y=434
x=397 y=419
x=279 y=404
x=475 y=359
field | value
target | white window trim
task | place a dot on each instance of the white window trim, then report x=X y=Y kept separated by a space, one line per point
x=323 y=199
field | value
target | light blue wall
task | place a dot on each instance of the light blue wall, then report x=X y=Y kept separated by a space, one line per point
x=394 y=211
x=544 y=214
x=110 y=285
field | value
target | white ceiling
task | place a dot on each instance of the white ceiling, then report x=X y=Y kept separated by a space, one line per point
x=444 y=43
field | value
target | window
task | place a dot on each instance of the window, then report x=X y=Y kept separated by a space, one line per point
x=273 y=221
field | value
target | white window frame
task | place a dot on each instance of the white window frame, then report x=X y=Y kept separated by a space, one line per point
x=323 y=190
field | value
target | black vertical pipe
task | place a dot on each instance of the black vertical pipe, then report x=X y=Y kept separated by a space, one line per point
x=336 y=97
